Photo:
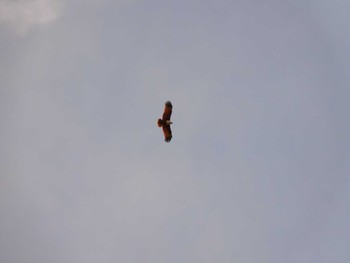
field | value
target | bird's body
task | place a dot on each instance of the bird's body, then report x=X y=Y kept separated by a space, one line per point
x=165 y=121
x=161 y=122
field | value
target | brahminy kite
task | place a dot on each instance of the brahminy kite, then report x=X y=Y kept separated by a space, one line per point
x=165 y=121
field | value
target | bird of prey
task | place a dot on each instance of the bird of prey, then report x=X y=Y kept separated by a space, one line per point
x=165 y=121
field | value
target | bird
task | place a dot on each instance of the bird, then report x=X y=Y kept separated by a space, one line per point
x=165 y=121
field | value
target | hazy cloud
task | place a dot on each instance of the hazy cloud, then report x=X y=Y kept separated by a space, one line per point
x=22 y=15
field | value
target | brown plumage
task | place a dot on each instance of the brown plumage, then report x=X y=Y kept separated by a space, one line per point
x=165 y=121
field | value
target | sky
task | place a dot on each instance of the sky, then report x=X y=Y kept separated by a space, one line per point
x=258 y=167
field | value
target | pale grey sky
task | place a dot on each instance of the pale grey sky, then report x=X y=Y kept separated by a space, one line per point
x=258 y=168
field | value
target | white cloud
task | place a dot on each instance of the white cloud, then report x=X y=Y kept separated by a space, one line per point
x=21 y=15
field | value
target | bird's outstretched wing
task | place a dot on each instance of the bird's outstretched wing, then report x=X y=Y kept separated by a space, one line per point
x=167 y=133
x=167 y=111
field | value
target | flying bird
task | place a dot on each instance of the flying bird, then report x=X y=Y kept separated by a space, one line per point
x=165 y=121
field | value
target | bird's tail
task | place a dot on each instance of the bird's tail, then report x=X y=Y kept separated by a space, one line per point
x=160 y=123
